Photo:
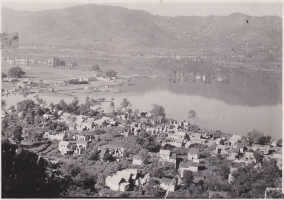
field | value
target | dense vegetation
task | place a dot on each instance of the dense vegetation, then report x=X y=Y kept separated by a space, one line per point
x=16 y=72
x=28 y=175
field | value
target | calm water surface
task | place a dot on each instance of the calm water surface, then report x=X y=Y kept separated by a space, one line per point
x=238 y=106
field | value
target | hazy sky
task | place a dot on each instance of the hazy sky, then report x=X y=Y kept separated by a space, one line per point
x=167 y=7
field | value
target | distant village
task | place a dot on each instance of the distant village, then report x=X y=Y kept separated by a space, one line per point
x=55 y=62
x=22 y=85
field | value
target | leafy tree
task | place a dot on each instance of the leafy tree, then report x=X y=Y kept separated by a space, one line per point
x=3 y=75
x=95 y=155
x=100 y=182
x=40 y=111
x=62 y=63
x=58 y=62
x=152 y=190
x=111 y=73
x=274 y=194
x=224 y=171
x=191 y=114
x=258 y=156
x=279 y=142
x=145 y=156
x=146 y=141
x=85 y=180
x=24 y=174
x=126 y=153
x=73 y=107
x=187 y=178
x=107 y=156
x=73 y=169
x=136 y=113
x=157 y=172
x=29 y=118
x=96 y=68
x=62 y=105
x=4 y=125
x=25 y=106
x=15 y=133
x=251 y=183
x=3 y=104
x=254 y=137
x=125 y=103
x=264 y=140
x=158 y=111
x=16 y=72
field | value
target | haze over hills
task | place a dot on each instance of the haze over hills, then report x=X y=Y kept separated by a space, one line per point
x=121 y=28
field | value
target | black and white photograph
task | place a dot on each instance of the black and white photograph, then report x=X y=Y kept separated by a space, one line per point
x=154 y=99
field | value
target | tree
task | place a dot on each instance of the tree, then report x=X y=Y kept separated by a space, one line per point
x=279 y=142
x=264 y=140
x=16 y=72
x=25 y=106
x=62 y=63
x=145 y=156
x=187 y=178
x=4 y=75
x=191 y=114
x=146 y=141
x=107 y=156
x=254 y=137
x=24 y=174
x=62 y=105
x=158 y=111
x=73 y=169
x=136 y=114
x=3 y=104
x=111 y=73
x=112 y=104
x=258 y=156
x=29 y=117
x=157 y=172
x=153 y=191
x=58 y=62
x=125 y=103
x=100 y=182
x=224 y=171
x=15 y=133
x=95 y=155
x=96 y=68
x=274 y=194
x=251 y=183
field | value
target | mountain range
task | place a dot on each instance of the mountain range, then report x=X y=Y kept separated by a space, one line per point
x=120 y=28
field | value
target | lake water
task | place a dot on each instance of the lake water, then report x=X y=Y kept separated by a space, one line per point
x=212 y=114
x=237 y=107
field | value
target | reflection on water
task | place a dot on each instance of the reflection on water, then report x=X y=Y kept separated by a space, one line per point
x=236 y=104
x=251 y=89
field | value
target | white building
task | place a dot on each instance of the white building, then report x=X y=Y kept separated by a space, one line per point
x=63 y=147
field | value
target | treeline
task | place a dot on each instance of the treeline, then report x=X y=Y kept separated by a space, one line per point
x=24 y=174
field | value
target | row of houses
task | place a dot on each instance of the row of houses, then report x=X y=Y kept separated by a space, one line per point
x=27 y=61
x=122 y=180
x=125 y=180
x=69 y=147
x=176 y=135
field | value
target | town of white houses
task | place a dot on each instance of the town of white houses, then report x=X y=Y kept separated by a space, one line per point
x=123 y=101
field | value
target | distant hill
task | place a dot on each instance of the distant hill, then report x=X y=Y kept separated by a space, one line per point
x=117 y=27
